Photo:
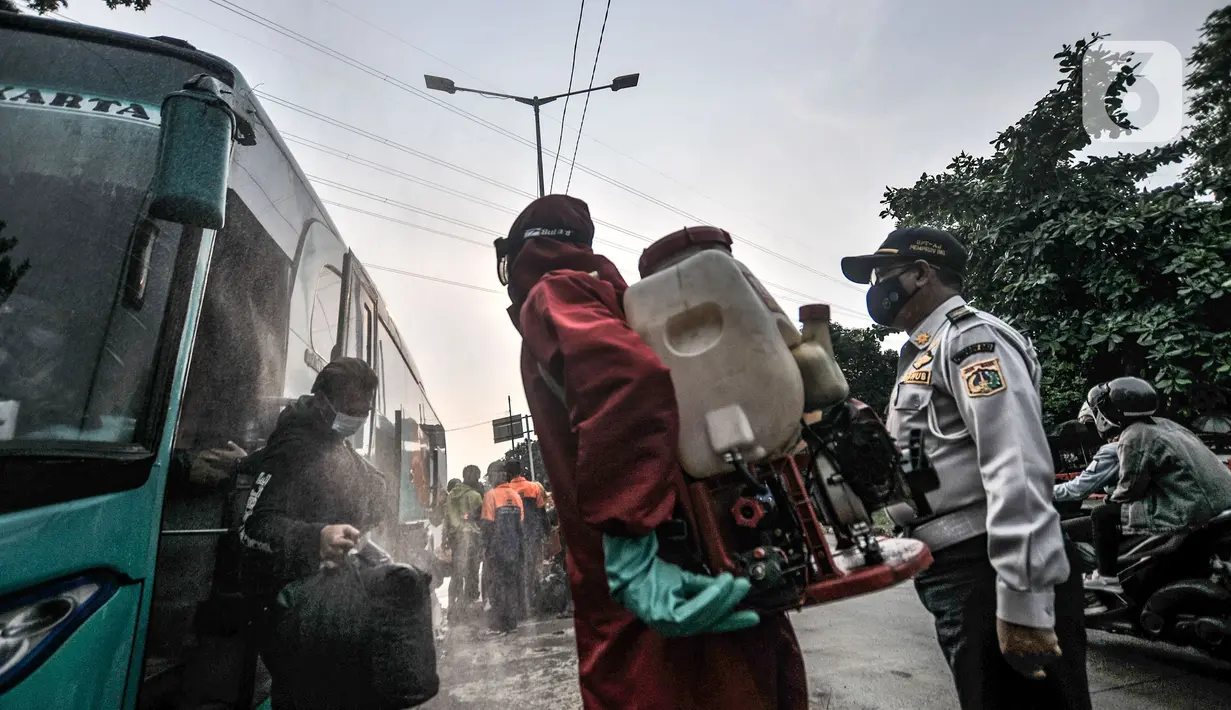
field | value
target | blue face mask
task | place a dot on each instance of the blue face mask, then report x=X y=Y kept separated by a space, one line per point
x=345 y=424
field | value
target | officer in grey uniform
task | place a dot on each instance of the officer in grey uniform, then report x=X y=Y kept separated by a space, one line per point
x=1006 y=599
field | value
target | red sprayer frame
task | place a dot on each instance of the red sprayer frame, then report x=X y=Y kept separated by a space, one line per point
x=829 y=577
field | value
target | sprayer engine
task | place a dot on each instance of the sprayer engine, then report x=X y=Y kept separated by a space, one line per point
x=799 y=526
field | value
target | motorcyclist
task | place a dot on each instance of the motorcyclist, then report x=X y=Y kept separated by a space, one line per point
x=1169 y=480
x=1102 y=473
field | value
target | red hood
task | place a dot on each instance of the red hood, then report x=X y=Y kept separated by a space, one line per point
x=540 y=257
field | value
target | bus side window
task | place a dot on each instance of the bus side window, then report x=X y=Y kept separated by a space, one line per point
x=325 y=305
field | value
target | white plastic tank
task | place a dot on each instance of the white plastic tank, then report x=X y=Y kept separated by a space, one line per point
x=824 y=383
x=728 y=345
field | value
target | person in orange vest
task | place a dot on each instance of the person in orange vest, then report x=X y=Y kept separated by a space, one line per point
x=501 y=522
x=534 y=531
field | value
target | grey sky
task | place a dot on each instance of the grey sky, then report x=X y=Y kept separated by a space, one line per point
x=782 y=121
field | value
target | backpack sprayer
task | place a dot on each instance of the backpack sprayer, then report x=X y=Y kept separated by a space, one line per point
x=782 y=468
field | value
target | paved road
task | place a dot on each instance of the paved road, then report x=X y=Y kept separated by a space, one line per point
x=872 y=653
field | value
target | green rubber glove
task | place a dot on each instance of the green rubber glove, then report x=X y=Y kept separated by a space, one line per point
x=670 y=600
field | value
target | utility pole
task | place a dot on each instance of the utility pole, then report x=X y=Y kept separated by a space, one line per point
x=529 y=446
x=439 y=83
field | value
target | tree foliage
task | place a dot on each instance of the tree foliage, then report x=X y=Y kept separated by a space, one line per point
x=43 y=7
x=1107 y=277
x=1209 y=86
x=869 y=368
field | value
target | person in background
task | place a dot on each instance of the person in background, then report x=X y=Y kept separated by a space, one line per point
x=1100 y=476
x=653 y=631
x=314 y=494
x=534 y=502
x=1169 y=479
x=1006 y=599
x=462 y=511
x=502 y=523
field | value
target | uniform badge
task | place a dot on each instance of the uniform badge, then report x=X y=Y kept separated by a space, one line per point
x=922 y=339
x=983 y=378
x=918 y=377
x=969 y=350
x=923 y=361
x=959 y=314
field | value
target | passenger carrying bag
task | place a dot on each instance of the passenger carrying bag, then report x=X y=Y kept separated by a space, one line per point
x=359 y=636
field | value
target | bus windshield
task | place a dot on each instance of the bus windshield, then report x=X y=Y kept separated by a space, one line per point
x=85 y=276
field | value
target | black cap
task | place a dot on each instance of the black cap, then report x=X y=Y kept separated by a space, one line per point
x=559 y=217
x=935 y=246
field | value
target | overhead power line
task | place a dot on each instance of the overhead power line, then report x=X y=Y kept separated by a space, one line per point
x=614 y=245
x=291 y=105
x=572 y=69
x=420 y=227
x=586 y=107
x=432 y=278
x=419 y=210
x=390 y=143
x=419 y=154
x=592 y=139
x=387 y=78
x=263 y=45
x=485 y=422
x=342 y=155
x=417 y=48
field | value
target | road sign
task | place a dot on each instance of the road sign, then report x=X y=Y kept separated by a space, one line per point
x=507 y=429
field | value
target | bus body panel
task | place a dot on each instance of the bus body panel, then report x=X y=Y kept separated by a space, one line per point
x=250 y=341
x=56 y=541
x=90 y=670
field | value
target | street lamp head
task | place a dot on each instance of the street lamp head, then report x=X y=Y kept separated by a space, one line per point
x=439 y=83
x=627 y=81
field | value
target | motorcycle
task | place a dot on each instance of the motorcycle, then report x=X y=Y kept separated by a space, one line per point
x=1176 y=589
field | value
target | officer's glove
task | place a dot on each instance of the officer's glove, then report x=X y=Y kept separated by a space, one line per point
x=670 y=600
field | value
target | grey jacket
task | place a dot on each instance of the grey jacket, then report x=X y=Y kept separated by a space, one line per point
x=1169 y=479
x=971 y=383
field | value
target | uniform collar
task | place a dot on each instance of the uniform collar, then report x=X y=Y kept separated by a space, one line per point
x=519 y=479
x=924 y=334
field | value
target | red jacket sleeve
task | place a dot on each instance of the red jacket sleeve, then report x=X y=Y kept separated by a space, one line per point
x=621 y=402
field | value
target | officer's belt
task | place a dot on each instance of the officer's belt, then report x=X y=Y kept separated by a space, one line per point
x=952 y=527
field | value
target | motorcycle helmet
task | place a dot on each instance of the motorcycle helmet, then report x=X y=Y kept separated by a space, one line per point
x=1120 y=402
x=1085 y=415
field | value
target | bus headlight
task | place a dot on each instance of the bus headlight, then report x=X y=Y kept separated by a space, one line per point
x=35 y=622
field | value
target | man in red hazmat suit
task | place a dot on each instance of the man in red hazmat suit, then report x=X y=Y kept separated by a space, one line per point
x=653 y=630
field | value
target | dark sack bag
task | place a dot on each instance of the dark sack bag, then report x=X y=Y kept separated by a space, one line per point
x=359 y=636
x=506 y=542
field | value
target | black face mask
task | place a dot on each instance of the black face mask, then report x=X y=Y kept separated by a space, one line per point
x=886 y=298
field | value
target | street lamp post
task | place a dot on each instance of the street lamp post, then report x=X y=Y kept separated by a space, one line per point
x=438 y=83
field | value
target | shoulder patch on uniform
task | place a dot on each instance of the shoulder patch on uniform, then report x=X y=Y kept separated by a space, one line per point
x=960 y=314
x=923 y=361
x=918 y=377
x=983 y=378
x=969 y=350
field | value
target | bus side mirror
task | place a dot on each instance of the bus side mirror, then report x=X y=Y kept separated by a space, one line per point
x=194 y=155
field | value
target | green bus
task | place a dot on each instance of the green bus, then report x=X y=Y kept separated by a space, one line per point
x=135 y=340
